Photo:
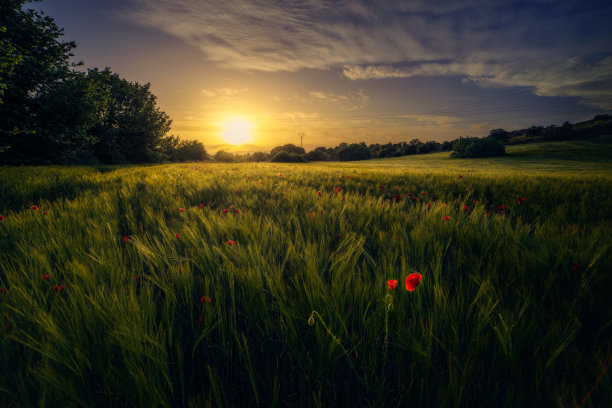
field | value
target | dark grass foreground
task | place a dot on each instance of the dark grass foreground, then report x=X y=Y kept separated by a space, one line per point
x=135 y=287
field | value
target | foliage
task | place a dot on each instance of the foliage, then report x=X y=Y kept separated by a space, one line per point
x=472 y=147
x=354 y=152
x=289 y=148
x=223 y=156
x=286 y=157
x=513 y=308
x=32 y=58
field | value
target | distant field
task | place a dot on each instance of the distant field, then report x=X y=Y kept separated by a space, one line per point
x=265 y=284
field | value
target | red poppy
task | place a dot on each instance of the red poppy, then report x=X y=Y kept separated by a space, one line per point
x=428 y=205
x=181 y=210
x=202 y=205
x=45 y=277
x=460 y=176
x=521 y=200
x=237 y=211
x=575 y=266
x=382 y=187
x=338 y=189
x=205 y=299
x=465 y=208
x=318 y=192
x=424 y=193
x=1 y=217
x=475 y=202
x=136 y=276
x=412 y=281
x=225 y=211
x=447 y=218
x=3 y=290
x=392 y=284
x=231 y=243
x=44 y=213
x=34 y=207
x=125 y=238
x=201 y=320
x=488 y=212
x=471 y=187
x=177 y=235
x=58 y=288
x=397 y=197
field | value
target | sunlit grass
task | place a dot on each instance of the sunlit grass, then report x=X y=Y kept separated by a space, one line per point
x=514 y=308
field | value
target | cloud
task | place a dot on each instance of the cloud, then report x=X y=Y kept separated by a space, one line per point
x=575 y=76
x=478 y=39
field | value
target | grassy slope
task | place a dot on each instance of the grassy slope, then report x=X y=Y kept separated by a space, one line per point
x=503 y=317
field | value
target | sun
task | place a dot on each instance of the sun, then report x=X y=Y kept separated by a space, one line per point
x=237 y=130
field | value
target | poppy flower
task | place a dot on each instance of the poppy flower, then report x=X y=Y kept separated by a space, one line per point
x=318 y=192
x=397 y=197
x=136 y=276
x=202 y=205
x=177 y=235
x=3 y=290
x=58 y=288
x=447 y=218
x=205 y=299
x=125 y=238
x=412 y=281
x=44 y=213
x=231 y=243
x=338 y=189
x=237 y=211
x=488 y=212
x=424 y=193
x=1 y=218
x=382 y=187
x=475 y=202
x=201 y=320
x=465 y=208
x=460 y=176
x=521 y=200
x=428 y=205
x=45 y=277
x=181 y=210
x=575 y=266
x=392 y=284
x=226 y=210
x=34 y=207
x=471 y=187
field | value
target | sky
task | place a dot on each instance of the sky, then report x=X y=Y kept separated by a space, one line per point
x=350 y=71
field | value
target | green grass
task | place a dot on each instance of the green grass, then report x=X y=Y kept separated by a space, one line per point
x=514 y=308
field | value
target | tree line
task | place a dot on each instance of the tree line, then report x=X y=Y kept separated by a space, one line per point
x=52 y=113
x=461 y=147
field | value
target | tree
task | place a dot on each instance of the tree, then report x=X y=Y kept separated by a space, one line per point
x=289 y=148
x=286 y=157
x=354 y=152
x=471 y=147
x=223 y=156
x=33 y=58
x=499 y=134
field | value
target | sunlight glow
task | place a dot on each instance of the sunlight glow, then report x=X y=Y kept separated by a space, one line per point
x=237 y=130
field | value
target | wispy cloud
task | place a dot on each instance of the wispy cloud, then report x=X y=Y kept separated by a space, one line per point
x=481 y=40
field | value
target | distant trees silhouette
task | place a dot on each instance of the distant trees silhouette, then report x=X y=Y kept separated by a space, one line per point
x=50 y=113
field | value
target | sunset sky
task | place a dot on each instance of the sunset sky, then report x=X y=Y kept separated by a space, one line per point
x=384 y=71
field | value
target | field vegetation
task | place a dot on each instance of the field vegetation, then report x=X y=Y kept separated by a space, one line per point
x=266 y=284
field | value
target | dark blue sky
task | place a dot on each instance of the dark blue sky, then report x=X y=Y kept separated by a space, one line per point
x=352 y=70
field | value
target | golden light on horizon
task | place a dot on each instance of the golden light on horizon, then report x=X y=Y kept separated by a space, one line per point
x=237 y=130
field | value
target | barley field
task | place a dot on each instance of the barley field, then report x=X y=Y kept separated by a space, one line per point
x=260 y=284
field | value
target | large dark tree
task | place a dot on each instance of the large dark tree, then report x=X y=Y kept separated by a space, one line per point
x=33 y=58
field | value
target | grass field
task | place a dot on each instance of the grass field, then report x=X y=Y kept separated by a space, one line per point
x=133 y=286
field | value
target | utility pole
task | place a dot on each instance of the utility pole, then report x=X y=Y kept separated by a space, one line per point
x=301 y=135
